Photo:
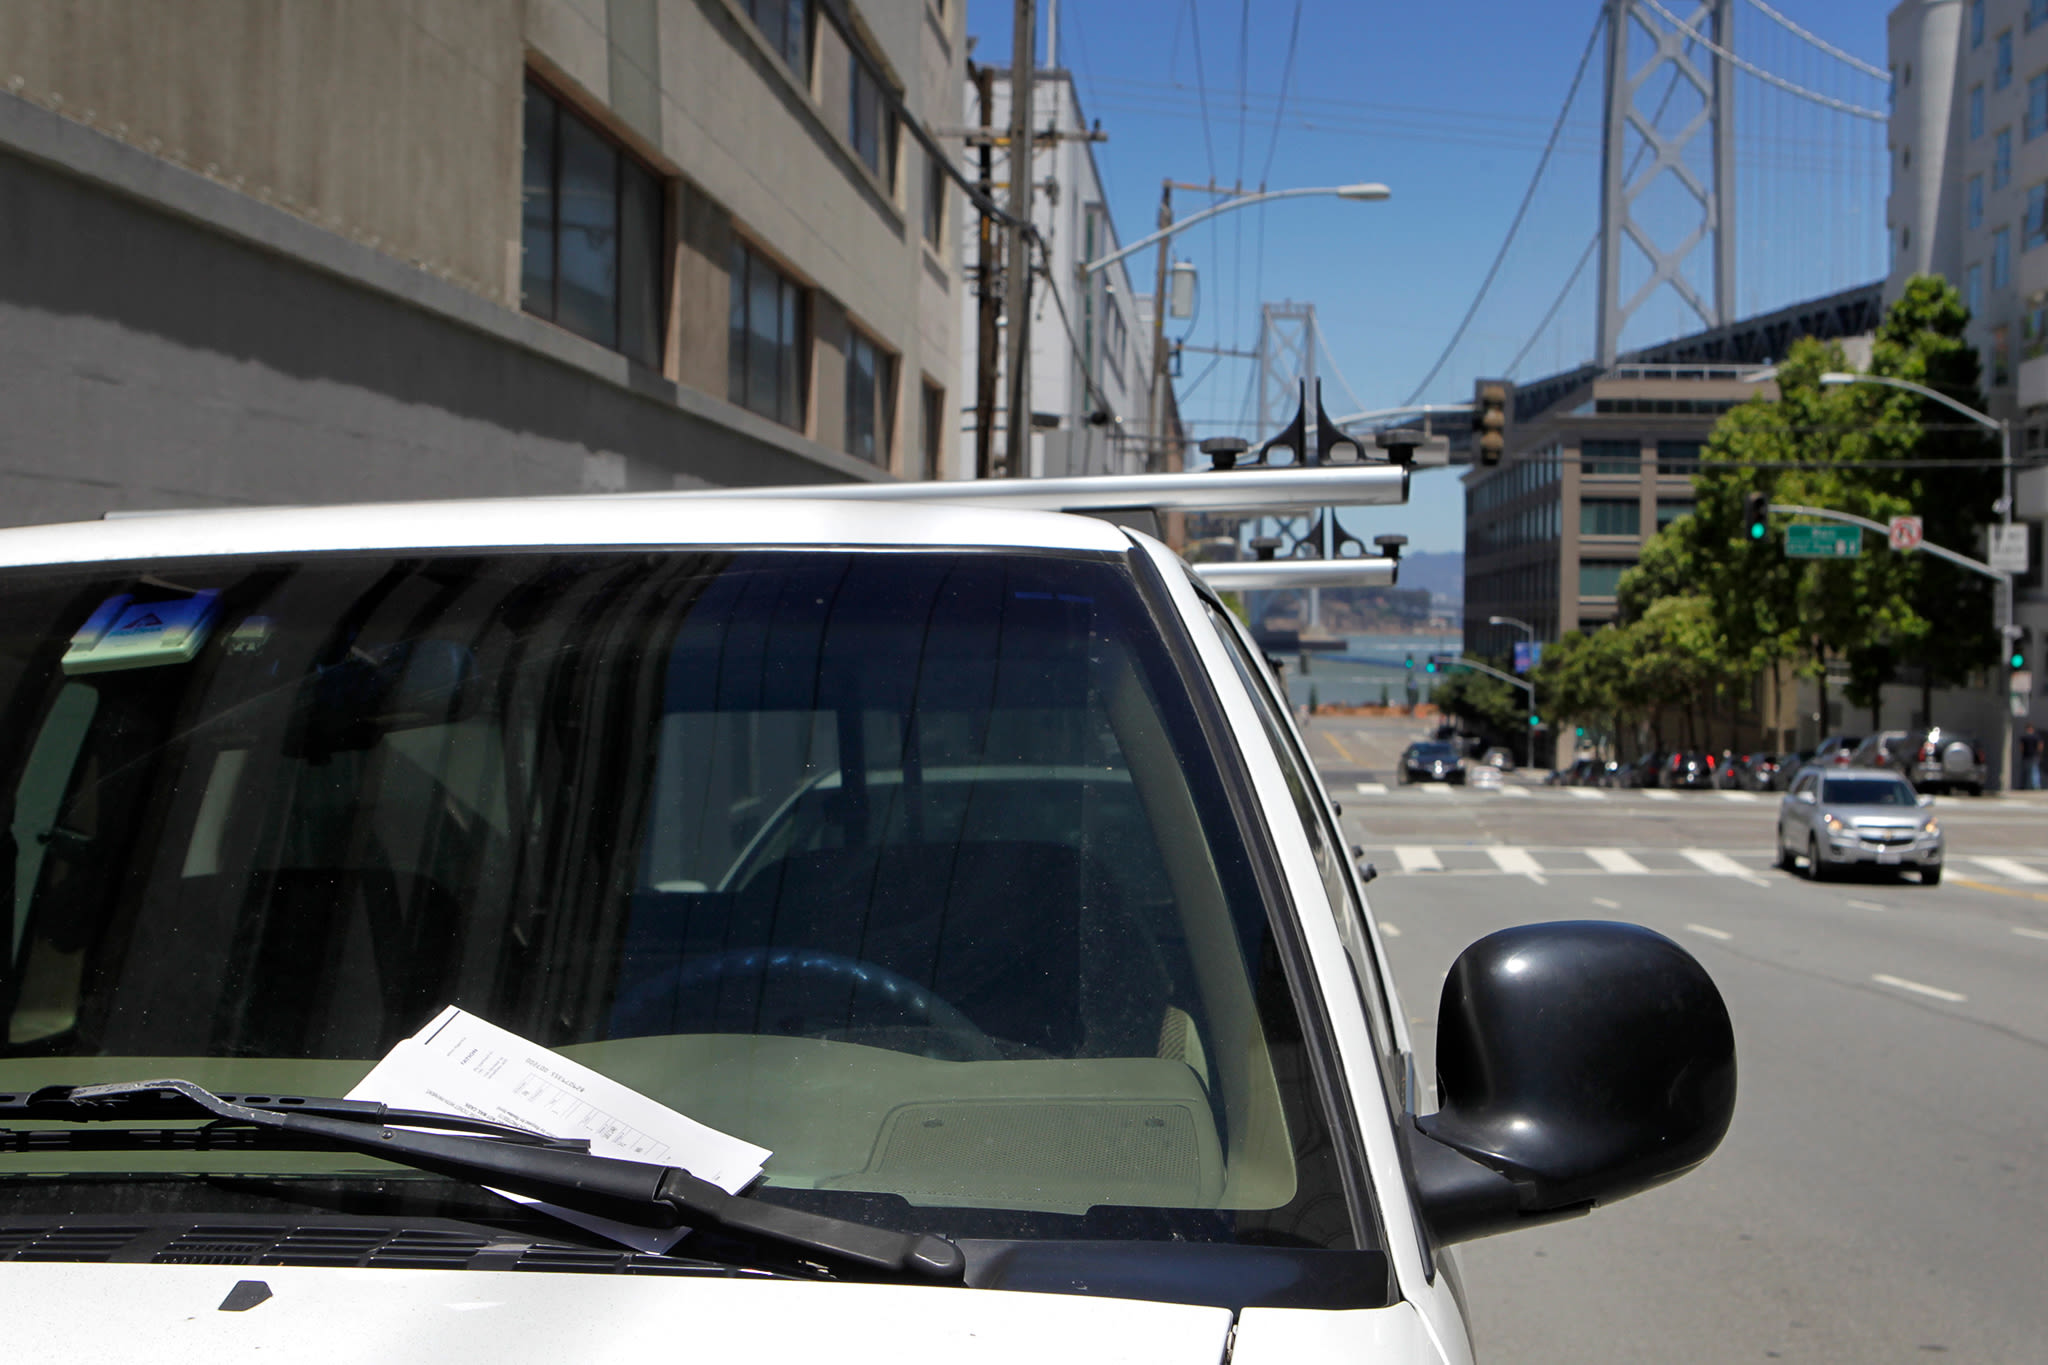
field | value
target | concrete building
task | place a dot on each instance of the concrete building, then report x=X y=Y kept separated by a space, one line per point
x=1969 y=202
x=263 y=251
x=1091 y=335
x=1597 y=461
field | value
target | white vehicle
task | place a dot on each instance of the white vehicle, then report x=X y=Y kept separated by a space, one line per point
x=965 y=859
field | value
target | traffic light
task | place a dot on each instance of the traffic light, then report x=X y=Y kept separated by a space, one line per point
x=1534 y=721
x=1489 y=421
x=1430 y=667
x=2023 y=639
x=1411 y=661
x=1756 y=512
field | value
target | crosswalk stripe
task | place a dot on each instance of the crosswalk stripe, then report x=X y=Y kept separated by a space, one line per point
x=1515 y=860
x=1435 y=788
x=1710 y=860
x=1515 y=791
x=1614 y=860
x=1372 y=789
x=2012 y=868
x=1738 y=796
x=1587 y=793
x=1659 y=794
x=1415 y=859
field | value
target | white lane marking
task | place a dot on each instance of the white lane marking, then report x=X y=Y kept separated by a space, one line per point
x=1390 y=930
x=2012 y=868
x=1721 y=934
x=1372 y=789
x=1517 y=860
x=2030 y=933
x=1737 y=796
x=1606 y=904
x=1866 y=905
x=1953 y=997
x=1710 y=860
x=1514 y=791
x=1414 y=859
x=1659 y=794
x=1614 y=860
x=1434 y=788
x=1587 y=793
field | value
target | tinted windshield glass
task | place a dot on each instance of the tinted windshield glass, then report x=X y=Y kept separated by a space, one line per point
x=913 y=868
x=1866 y=791
x=1432 y=752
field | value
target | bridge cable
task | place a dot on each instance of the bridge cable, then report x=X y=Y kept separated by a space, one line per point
x=1824 y=45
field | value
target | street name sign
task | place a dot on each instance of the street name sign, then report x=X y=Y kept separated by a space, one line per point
x=1905 y=533
x=1805 y=540
x=2009 y=548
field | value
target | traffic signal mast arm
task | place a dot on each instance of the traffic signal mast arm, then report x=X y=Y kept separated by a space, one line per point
x=1974 y=565
x=1460 y=661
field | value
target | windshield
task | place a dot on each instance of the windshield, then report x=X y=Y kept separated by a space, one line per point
x=1432 y=752
x=1866 y=791
x=912 y=868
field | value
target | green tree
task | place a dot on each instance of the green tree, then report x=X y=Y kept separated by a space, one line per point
x=1483 y=704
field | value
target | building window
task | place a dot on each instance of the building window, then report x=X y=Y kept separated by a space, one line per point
x=2034 y=329
x=1973 y=290
x=870 y=400
x=2001 y=66
x=1678 y=457
x=1976 y=23
x=933 y=446
x=2001 y=258
x=1976 y=112
x=591 y=232
x=1601 y=577
x=1610 y=517
x=767 y=352
x=786 y=24
x=2037 y=14
x=2001 y=357
x=1610 y=457
x=1671 y=509
x=1975 y=211
x=870 y=123
x=2037 y=106
x=2034 y=227
x=2001 y=159
x=935 y=187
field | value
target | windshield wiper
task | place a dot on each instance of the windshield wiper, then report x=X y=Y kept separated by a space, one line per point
x=557 y=1171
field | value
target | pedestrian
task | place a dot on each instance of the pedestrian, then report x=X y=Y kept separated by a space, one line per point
x=2030 y=759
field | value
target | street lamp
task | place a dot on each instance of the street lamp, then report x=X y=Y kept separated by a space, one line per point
x=1529 y=734
x=2004 y=430
x=1155 y=410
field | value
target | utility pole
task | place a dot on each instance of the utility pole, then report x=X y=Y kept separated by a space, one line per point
x=1155 y=406
x=1016 y=254
x=990 y=303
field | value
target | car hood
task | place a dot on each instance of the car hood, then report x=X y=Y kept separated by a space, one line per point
x=173 y=1314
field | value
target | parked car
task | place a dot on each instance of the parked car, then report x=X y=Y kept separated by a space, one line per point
x=1757 y=772
x=1688 y=770
x=1647 y=770
x=1835 y=817
x=1836 y=750
x=1788 y=767
x=1932 y=760
x=1728 y=770
x=1431 y=760
x=1497 y=757
x=966 y=861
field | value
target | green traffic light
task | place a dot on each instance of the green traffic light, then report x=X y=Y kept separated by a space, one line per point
x=1756 y=530
x=2019 y=661
x=1535 y=721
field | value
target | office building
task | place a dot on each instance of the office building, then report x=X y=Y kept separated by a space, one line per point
x=270 y=251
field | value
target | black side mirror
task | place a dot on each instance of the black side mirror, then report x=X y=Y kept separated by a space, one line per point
x=1577 y=1063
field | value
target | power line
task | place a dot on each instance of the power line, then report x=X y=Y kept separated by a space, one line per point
x=1528 y=196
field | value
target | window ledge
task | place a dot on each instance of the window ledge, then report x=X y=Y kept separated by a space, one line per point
x=883 y=195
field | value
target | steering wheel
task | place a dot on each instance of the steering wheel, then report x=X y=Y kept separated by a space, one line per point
x=650 y=1006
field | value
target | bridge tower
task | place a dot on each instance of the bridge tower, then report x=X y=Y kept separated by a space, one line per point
x=1669 y=118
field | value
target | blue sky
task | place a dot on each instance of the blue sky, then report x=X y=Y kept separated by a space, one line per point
x=1451 y=106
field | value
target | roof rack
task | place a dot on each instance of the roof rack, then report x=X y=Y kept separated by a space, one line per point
x=1358 y=571
x=1254 y=488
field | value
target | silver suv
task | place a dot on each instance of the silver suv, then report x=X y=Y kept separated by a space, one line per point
x=1834 y=818
x=1934 y=760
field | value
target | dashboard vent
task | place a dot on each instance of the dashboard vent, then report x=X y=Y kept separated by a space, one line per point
x=68 y=1243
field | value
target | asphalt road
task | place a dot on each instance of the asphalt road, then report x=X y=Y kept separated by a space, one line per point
x=1883 y=1193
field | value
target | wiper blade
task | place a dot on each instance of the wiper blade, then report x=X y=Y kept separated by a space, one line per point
x=634 y=1192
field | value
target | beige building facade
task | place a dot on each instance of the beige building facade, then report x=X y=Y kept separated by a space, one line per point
x=272 y=251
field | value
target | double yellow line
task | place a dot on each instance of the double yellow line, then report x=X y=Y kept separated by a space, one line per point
x=1999 y=890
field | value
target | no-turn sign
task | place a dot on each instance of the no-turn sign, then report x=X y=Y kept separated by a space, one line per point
x=1905 y=533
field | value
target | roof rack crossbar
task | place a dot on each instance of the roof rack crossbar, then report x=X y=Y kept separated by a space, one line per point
x=1283 y=488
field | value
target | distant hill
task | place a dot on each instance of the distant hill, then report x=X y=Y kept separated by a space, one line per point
x=1441 y=573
